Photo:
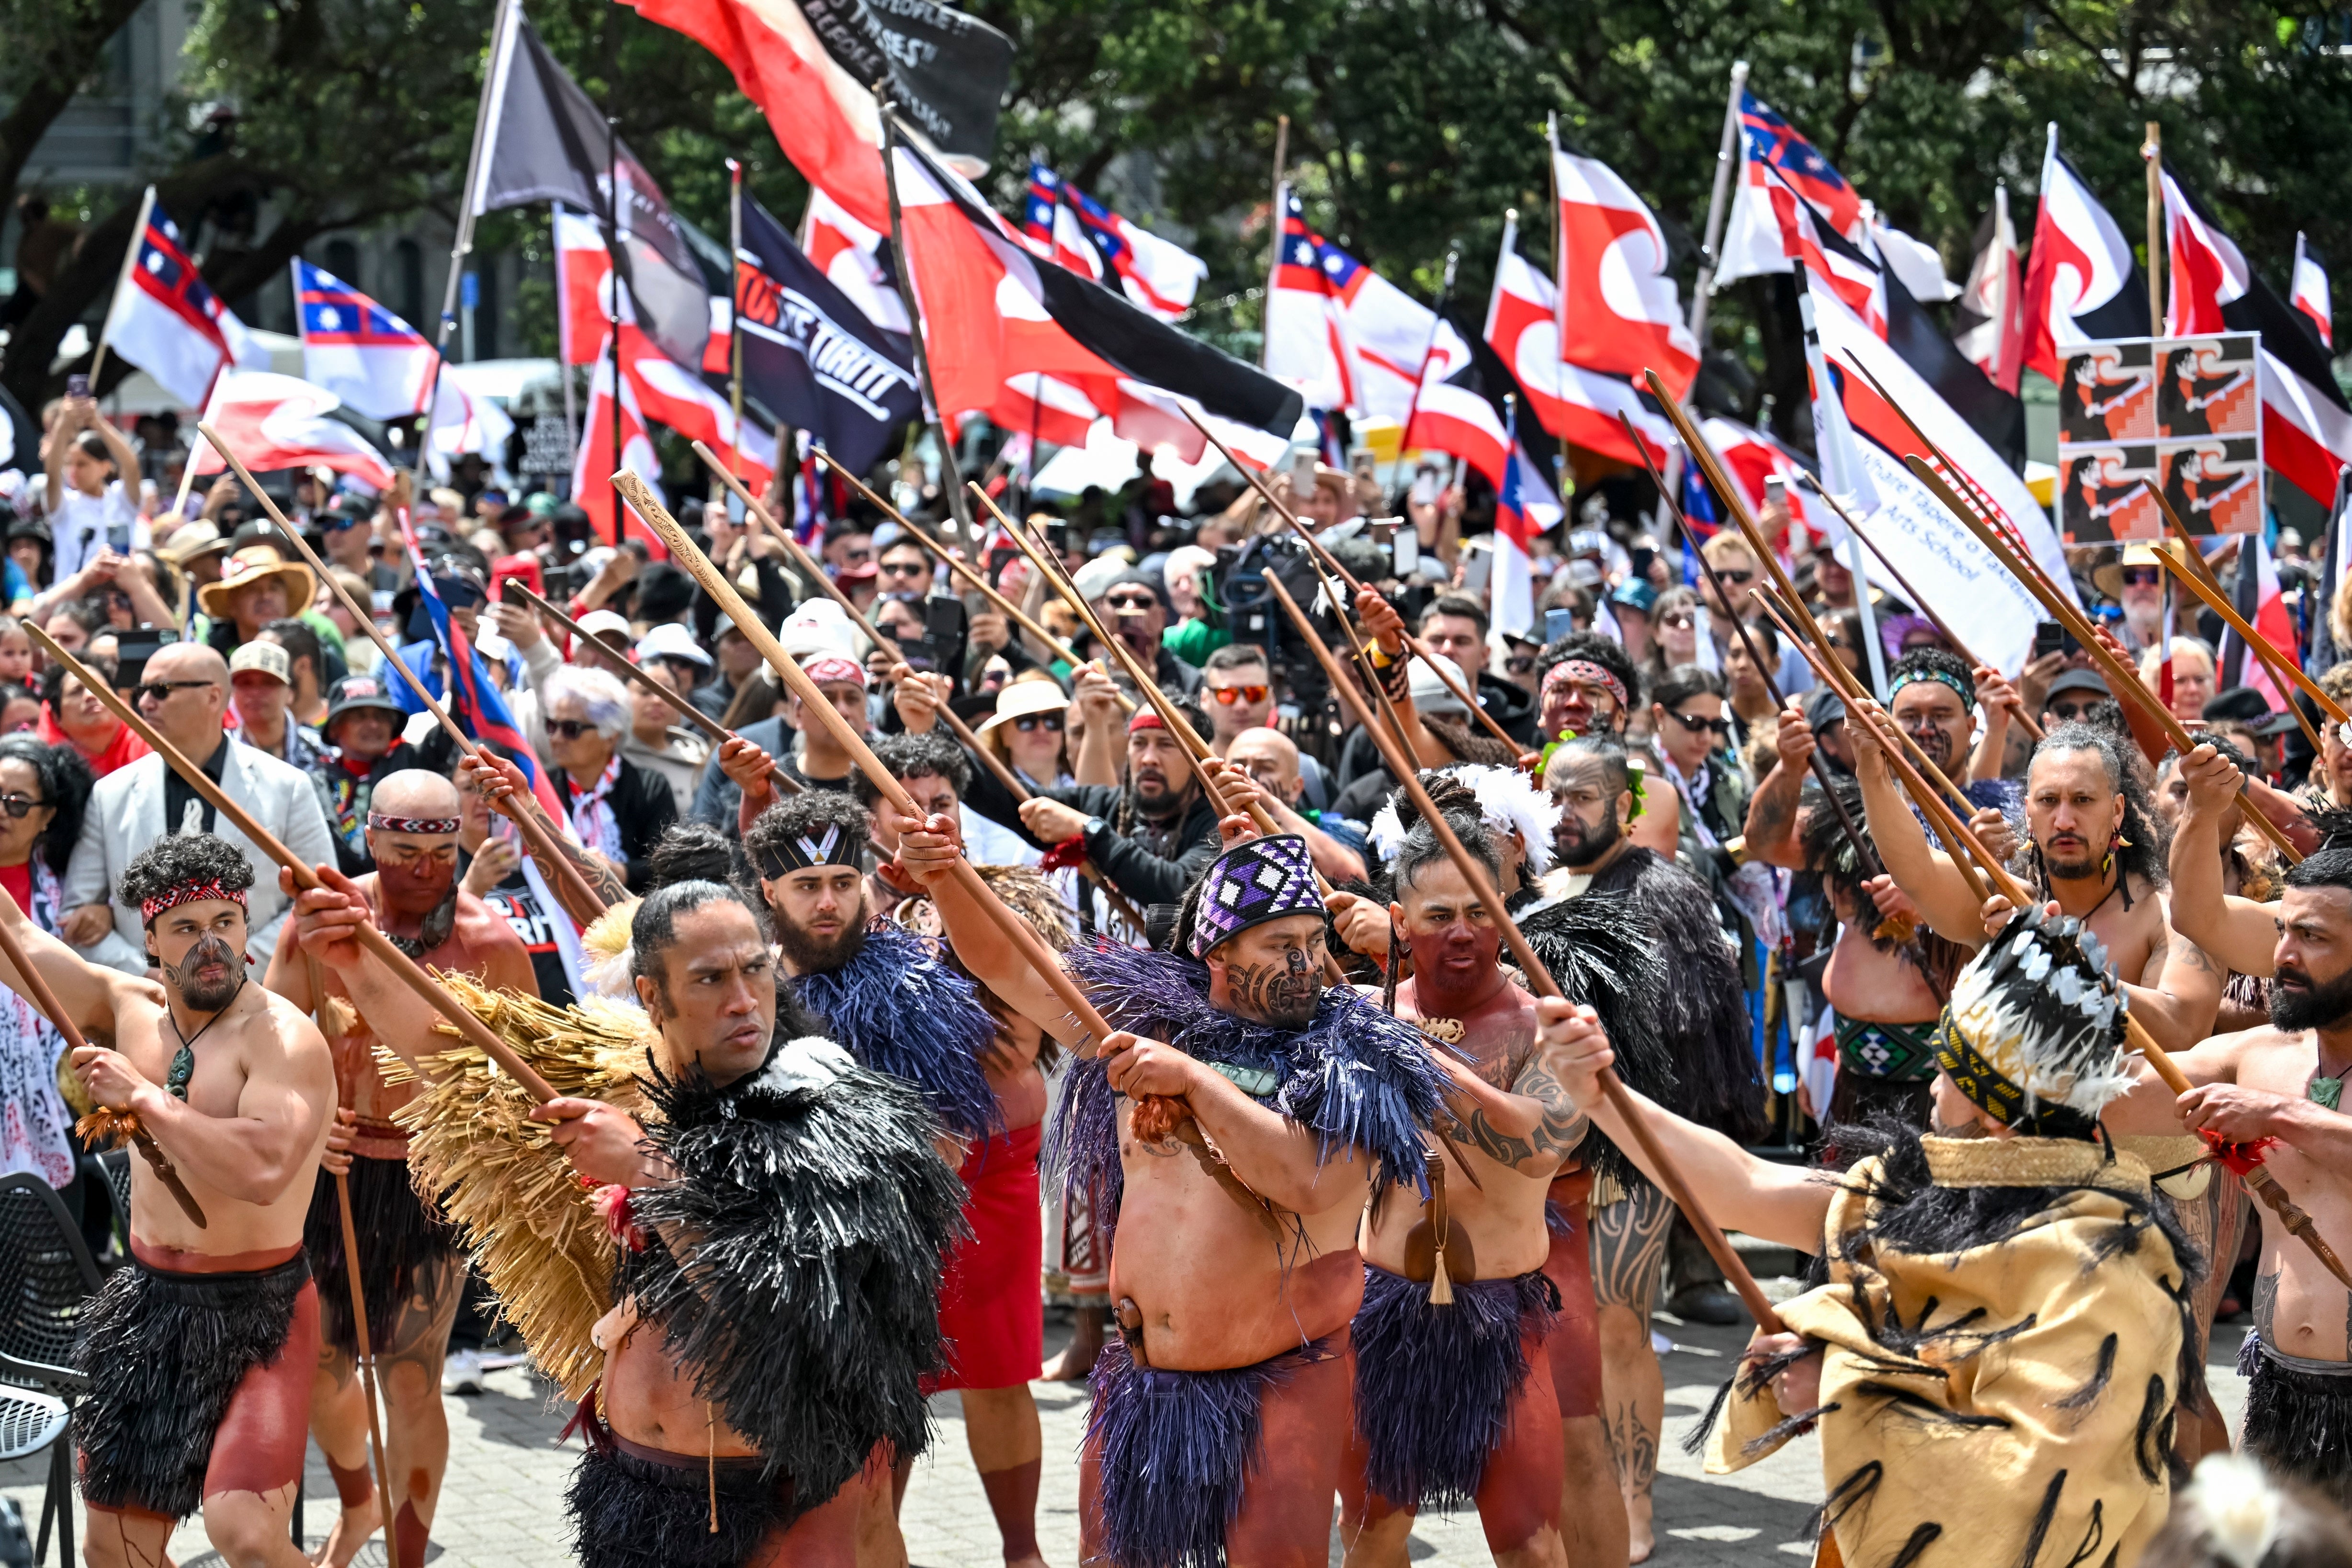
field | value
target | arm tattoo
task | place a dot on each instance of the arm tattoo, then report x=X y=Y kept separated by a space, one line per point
x=1562 y=1129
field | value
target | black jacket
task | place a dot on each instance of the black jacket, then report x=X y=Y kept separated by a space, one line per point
x=1143 y=875
x=644 y=807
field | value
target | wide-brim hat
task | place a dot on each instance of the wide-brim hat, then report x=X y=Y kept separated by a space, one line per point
x=190 y=540
x=1019 y=699
x=248 y=565
x=2108 y=577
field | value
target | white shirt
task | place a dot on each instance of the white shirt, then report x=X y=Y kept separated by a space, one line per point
x=82 y=525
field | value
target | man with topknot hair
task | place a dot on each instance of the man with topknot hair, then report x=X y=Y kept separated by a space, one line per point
x=199 y=1352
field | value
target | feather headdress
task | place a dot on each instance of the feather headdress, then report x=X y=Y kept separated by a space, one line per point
x=1509 y=803
x=2035 y=1029
x=500 y=1177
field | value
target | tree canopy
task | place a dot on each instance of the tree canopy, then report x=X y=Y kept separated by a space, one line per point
x=1414 y=124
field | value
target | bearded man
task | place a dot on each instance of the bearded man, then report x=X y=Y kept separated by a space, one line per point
x=766 y=1228
x=411 y=1268
x=1713 y=1079
x=898 y=1004
x=199 y=1352
x=1264 y=1111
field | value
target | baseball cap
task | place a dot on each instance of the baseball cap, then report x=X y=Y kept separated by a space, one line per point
x=1823 y=707
x=607 y=625
x=356 y=691
x=2080 y=680
x=2246 y=705
x=671 y=640
x=267 y=658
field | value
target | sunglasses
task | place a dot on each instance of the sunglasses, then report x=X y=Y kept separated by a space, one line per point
x=1681 y=620
x=1520 y=666
x=341 y=522
x=1733 y=574
x=1229 y=695
x=19 y=806
x=904 y=567
x=1692 y=722
x=570 y=729
x=1134 y=603
x=2072 y=711
x=1028 y=723
x=161 y=690
x=2143 y=576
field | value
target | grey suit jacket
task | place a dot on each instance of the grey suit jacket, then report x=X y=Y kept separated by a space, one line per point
x=126 y=815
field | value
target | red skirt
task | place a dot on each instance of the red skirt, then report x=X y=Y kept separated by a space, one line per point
x=991 y=1305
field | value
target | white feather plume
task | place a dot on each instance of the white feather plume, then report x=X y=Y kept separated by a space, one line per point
x=1509 y=803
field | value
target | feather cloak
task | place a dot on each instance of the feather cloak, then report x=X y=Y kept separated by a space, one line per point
x=899 y=1008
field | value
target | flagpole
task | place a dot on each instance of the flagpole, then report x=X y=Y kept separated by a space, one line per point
x=2152 y=150
x=1274 y=230
x=1717 y=204
x=1559 y=237
x=130 y=260
x=950 y=477
x=563 y=338
x=493 y=67
x=734 y=315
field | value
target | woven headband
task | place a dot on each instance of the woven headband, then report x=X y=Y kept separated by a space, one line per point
x=188 y=892
x=1585 y=670
x=802 y=852
x=1991 y=1090
x=378 y=823
x=1941 y=677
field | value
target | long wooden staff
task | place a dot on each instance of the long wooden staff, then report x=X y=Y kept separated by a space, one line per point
x=888 y=644
x=1017 y=931
x=2283 y=668
x=1539 y=978
x=2024 y=720
x=1316 y=547
x=2122 y=679
x=1145 y=682
x=46 y=999
x=719 y=734
x=543 y=847
x=971 y=579
x=404 y=968
x=1865 y=854
x=2256 y=1175
x=358 y=1289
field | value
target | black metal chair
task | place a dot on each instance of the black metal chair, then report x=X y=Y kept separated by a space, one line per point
x=46 y=1275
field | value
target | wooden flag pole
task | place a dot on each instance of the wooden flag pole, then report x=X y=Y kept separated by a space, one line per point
x=404 y=968
x=719 y=734
x=543 y=847
x=2152 y=153
x=971 y=579
x=1539 y=979
x=2122 y=680
x=1016 y=930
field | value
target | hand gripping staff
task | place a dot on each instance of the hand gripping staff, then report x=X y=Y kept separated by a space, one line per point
x=1441 y=667
x=2246 y=1159
x=543 y=847
x=718 y=733
x=714 y=582
x=1539 y=978
x=116 y=1124
x=404 y=968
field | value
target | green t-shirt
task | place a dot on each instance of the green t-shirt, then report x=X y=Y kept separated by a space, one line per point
x=1194 y=641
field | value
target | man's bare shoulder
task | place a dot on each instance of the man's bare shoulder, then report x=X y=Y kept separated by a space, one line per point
x=2220 y=1058
x=484 y=930
x=278 y=1031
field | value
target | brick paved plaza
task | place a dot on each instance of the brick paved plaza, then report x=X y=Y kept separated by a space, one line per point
x=502 y=1505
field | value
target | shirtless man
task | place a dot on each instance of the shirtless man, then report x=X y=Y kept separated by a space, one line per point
x=2094 y=846
x=199 y=1354
x=411 y=1268
x=1446 y=1415
x=2284 y=1082
x=1233 y=1265
x=681 y=1433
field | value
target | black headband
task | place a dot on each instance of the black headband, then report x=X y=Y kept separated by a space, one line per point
x=1992 y=1091
x=798 y=851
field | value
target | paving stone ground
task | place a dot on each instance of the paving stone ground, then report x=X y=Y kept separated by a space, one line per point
x=502 y=1504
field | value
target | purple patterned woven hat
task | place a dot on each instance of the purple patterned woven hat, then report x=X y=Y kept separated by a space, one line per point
x=1251 y=883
